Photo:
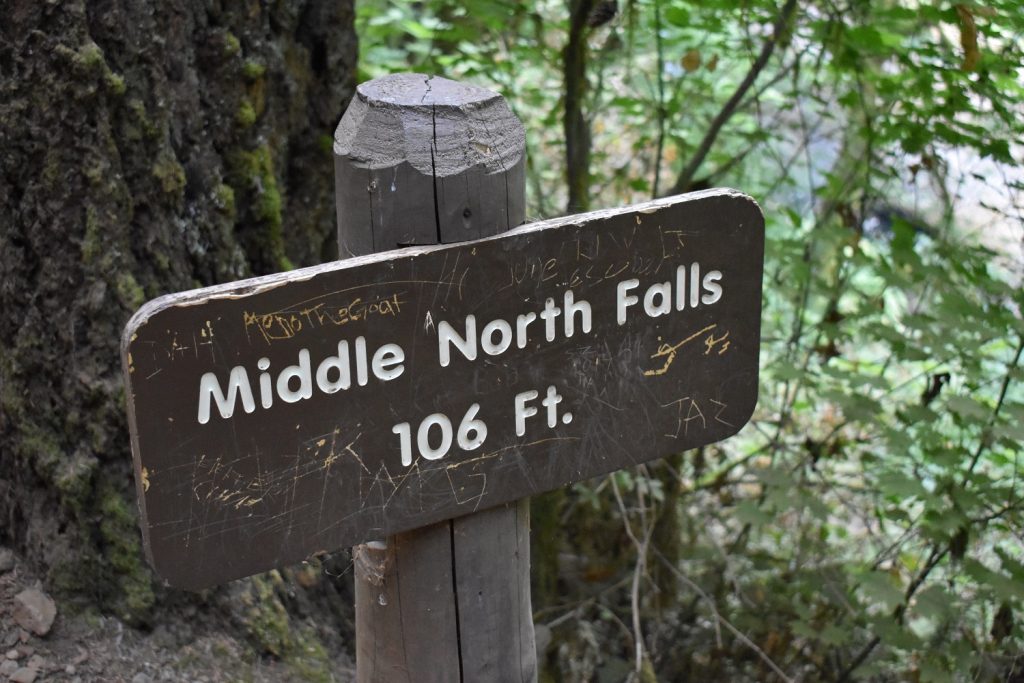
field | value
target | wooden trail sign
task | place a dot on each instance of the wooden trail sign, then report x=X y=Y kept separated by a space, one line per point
x=280 y=416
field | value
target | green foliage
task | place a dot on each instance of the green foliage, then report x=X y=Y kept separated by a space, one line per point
x=867 y=524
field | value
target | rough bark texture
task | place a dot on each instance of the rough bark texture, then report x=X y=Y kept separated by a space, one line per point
x=145 y=147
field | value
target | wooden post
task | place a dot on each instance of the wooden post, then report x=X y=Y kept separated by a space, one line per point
x=425 y=160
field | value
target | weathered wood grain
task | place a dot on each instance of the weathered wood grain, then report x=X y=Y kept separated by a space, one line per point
x=449 y=602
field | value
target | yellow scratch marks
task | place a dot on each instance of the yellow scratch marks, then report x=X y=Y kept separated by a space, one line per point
x=712 y=341
x=669 y=351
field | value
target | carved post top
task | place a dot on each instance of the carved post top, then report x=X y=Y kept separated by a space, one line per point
x=439 y=126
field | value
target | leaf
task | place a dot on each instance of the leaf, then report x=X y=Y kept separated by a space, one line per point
x=934 y=602
x=749 y=512
x=1004 y=587
x=834 y=635
x=967 y=407
x=880 y=587
x=691 y=60
x=900 y=485
x=933 y=670
x=895 y=634
x=1010 y=564
x=678 y=15
x=776 y=476
x=802 y=628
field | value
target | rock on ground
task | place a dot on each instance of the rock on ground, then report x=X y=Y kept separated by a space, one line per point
x=34 y=611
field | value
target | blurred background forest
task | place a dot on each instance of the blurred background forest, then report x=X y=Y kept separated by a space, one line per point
x=867 y=525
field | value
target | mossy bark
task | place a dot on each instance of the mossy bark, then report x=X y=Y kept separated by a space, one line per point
x=145 y=147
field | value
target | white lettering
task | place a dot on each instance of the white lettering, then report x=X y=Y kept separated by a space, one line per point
x=711 y=286
x=551 y=402
x=266 y=385
x=694 y=285
x=341 y=364
x=466 y=345
x=522 y=321
x=624 y=300
x=361 y=375
x=680 y=288
x=423 y=436
x=238 y=385
x=384 y=358
x=663 y=292
x=548 y=315
x=571 y=309
x=487 y=337
x=522 y=412
x=301 y=371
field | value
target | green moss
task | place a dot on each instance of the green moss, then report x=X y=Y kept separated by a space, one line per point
x=74 y=576
x=163 y=261
x=11 y=399
x=130 y=294
x=271 y=631
x=170 y=174
x=254 y=171
x=41 y=449
x=116 y=83
x=91 y=246
x=90 y=56
x=253 y=70
x=326 y=144
x=231 y=45
x=146 y=126
x=53 y=168
x=89 y=60
x=246 y=115
x=269 y=208
x=266 y=619
x=73 y=479
x=224 y=198
x=310 y=659
x=119 y=532
x=256 y=93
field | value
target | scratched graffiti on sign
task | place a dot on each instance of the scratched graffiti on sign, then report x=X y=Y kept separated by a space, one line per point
x=300 y=412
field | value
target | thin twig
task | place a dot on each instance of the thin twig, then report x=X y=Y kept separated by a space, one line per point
x=641 y=561
x=722 y=620
x=984 y=441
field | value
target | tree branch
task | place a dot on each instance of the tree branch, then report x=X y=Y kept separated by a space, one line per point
x=730 y=107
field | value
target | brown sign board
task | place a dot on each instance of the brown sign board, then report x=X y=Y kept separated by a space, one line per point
x=277 y=417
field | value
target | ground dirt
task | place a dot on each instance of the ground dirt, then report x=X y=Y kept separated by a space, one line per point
x=192 y=642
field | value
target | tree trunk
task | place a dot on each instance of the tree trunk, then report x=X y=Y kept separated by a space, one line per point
x=574 y=123
x=145 y=147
